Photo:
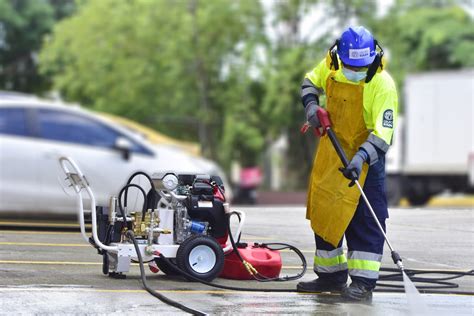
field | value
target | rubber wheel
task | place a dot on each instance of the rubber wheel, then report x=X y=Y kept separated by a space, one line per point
x=393 y=187
x=201 y=256
x=105 y=263
x=167 y=268
x=418 y=199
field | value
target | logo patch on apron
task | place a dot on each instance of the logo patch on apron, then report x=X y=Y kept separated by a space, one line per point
x=388 y=119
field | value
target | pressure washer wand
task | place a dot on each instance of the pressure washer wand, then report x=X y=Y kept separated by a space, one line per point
x=323 y=116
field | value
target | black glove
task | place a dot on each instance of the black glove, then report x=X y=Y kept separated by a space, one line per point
x=354 y=168
x=311 y=115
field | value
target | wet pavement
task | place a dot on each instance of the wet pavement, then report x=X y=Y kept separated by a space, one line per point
x=55 y=272
x=91 y=301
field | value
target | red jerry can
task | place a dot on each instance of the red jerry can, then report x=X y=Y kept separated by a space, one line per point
x=267 y=262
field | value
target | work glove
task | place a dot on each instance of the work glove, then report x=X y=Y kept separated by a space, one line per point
x=311 y=115
x=354 y=168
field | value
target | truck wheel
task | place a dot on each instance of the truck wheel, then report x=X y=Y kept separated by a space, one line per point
x=418 y=199
x=201 y=256
x=393 y=187
x=167 y=268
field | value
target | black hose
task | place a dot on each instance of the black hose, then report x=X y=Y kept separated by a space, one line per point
x=259 y=277
x=159 y=296
x=436 y=284
x=283 y=246
x=125 y=188
x=225 y=287
x=433 y=283
x=393 y=288
x=130 y=180
x=229 y=231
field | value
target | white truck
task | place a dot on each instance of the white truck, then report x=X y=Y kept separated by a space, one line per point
x=433 y=145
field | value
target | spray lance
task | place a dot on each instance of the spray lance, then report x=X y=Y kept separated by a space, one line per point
x=325 y=128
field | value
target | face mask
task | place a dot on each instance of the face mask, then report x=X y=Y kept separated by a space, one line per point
x=354 y=76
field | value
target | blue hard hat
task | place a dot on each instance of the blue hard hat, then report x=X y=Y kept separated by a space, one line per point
x=356 y=47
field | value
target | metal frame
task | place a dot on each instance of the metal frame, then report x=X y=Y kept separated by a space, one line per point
x=121 y=254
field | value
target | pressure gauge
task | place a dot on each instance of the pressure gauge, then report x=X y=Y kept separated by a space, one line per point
x=170 y=181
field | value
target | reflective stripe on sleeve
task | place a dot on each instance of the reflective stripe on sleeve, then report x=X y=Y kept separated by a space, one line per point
x=308 y=90
x=308 y=83
x=370 y=150
x=378 y=142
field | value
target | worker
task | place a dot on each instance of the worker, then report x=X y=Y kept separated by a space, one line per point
x=362 y=103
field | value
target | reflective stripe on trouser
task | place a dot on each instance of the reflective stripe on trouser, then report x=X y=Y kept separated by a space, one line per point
x=364 y=264
x=330 y=261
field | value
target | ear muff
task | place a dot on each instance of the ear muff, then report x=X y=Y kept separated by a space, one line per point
x=377 y=65
x=334 y=61
x=383 y=64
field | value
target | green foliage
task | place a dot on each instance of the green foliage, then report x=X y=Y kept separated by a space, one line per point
x=160 y=62
x=205 y=70
x=22 y=26
x=288 y=61
x=427 y=38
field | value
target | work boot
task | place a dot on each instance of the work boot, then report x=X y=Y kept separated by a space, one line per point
x=357 y=292
x=319 y=285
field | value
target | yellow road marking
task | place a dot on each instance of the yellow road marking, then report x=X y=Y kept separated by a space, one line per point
x=49 y=262
x=447 y=201
x=84 y=263
x=80 y=289
x=37 y=232
x=39 y=224
x=256 y=239
x=4 y=243
x=86 y=245
x=136 y=264
x=303 y=251
x=452 y=201
x=143 y=291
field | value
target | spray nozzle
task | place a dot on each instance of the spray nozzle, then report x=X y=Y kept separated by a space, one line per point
x=397 y=260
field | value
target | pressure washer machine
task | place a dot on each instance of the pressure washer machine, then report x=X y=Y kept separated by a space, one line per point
x=184 y=225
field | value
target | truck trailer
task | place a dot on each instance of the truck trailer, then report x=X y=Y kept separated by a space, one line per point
x=433 y=144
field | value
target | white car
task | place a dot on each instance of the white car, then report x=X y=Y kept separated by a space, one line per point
x=34 y=133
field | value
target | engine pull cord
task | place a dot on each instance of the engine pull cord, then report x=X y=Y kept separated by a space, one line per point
x=156 y=294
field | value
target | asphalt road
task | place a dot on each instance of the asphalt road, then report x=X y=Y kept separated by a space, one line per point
x=54 y=272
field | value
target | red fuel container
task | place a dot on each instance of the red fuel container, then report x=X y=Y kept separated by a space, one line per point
x=267 y=262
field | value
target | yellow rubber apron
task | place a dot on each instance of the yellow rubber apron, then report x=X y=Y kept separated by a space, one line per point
x=331 y=203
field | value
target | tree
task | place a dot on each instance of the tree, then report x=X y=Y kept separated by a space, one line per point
x=436 y=35
x=23 y=23
x=290 y=57
x=160 y=62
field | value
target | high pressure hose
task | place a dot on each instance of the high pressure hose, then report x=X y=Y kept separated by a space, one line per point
x=438 y=283
x=257 y=276
x=140 y=173
x=159 y=296
x=253 y=272
x=441 y=283
x=125 y=189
